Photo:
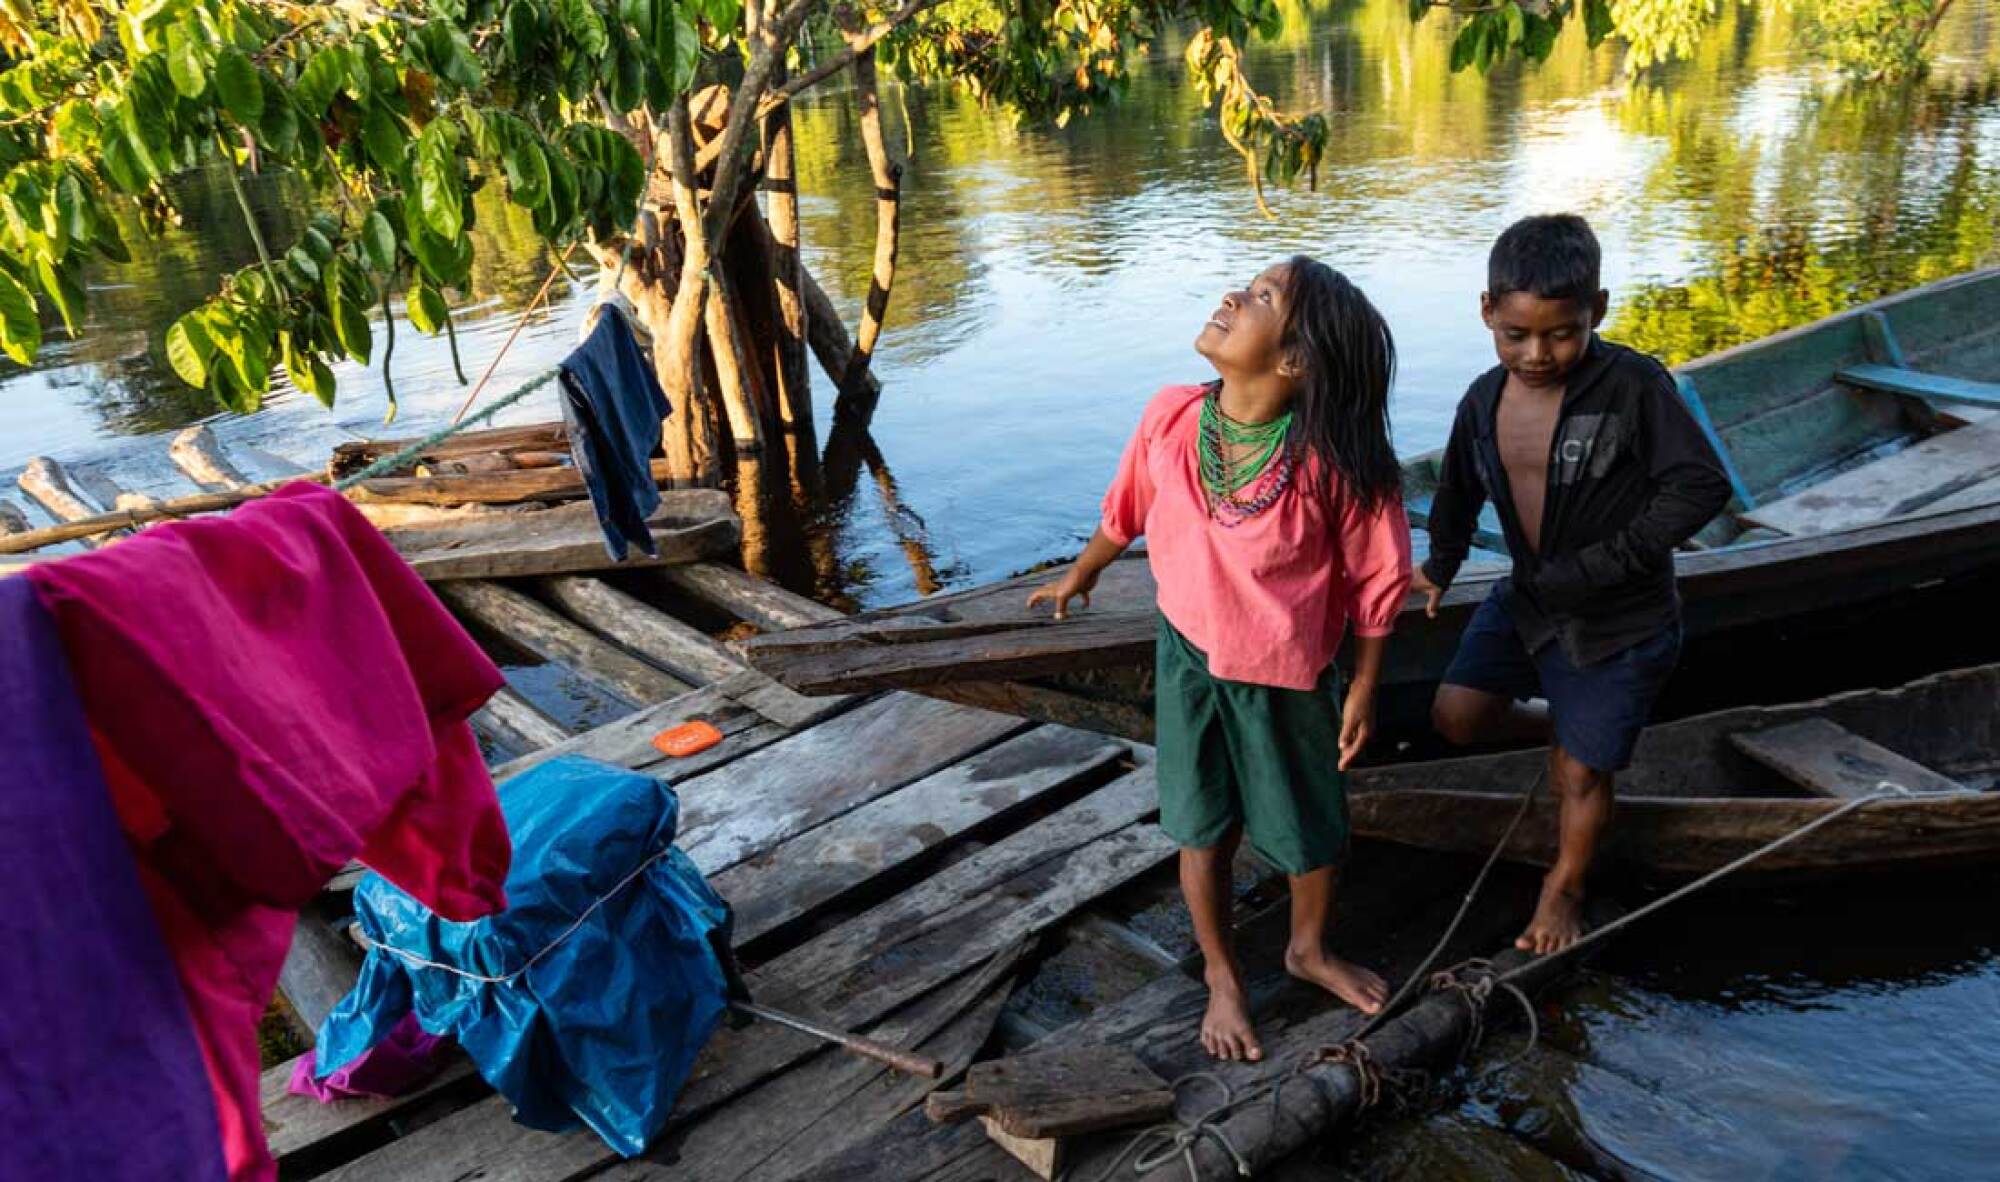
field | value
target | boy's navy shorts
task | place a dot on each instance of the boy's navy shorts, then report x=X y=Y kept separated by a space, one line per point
x=1598 y=710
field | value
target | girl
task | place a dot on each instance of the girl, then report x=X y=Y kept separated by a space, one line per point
x=1272 y=506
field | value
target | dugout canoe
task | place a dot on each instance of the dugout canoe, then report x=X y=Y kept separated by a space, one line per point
x=1864 y=454
x=1703 y=791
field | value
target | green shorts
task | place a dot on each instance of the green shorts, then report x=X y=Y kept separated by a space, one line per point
x=1261 y=756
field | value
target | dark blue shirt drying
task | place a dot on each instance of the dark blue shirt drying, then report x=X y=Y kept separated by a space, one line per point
x=614 y=407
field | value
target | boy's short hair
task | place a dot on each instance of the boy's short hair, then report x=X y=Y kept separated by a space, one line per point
x=1553 y=256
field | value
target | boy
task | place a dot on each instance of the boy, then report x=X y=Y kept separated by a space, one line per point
x=1597 y=472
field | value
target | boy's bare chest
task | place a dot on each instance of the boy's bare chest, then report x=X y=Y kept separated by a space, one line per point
x=1523 y=431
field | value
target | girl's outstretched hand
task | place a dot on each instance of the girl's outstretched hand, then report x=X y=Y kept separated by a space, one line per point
x=1073 y=585
x=1357 y=726
x=1432 y=593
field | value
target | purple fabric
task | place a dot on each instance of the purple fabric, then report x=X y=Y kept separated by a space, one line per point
x=102 y=1077
x=399 y=1063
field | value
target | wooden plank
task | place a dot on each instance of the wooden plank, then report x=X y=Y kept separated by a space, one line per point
x=1935 y=387
x=1691 y=397
x=691 y=524
x=553 y=638
x=196 y=452
x=1826 y=758
x=747 y=597
x=1061 y=1091
x=826 y=772
x=46 y=484
x=815 y=869
x=296 y=1124
x=832 y=1100
x=519 y=723
x=853 y=975
x=685 y=651
x=628 y=742
x=319 y=969
x=1973 y=496
x=509 y=486
x=781 y=704
x=1905 y=482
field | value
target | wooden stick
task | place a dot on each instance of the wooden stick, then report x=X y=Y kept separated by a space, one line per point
x=102 y=523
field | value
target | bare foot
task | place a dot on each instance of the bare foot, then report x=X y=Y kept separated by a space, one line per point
x=1226 y=1032
x=1557 y=923
x=1351 y=983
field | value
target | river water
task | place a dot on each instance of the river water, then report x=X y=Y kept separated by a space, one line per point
x=1049 y=281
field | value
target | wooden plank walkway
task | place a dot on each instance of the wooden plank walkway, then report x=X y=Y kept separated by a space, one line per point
x=894 y=862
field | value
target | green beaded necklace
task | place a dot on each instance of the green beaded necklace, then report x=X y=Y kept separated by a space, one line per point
x=1221 y=474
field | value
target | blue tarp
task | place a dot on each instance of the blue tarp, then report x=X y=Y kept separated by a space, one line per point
x=603 y=1027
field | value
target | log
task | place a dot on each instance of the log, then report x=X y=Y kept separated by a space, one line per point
x=99 y=487
x=198 y=454
x=857 y=398
x=747 y=597
x=504 y=486
x=518 y=723
x=678 y=648
x=82 y=528
x=691 y=524
x=352 y=457
x=552 y=638
x=48 y=485
x=12 y=520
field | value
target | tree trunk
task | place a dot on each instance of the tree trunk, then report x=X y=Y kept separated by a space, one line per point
x=739 y=400
x=857 y=398
x=789 y=340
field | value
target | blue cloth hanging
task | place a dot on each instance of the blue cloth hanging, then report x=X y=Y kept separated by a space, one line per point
x=611 y=981
x=614 y=407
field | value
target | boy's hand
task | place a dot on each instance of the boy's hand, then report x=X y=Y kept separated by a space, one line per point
x=1074 y=585
x=1431 y=591
x=1357 y=724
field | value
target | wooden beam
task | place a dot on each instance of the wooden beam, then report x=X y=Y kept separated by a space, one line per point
x=48 y=485
x=197 y=453
x=691 y=524
x=510 y=486
x=320 y=968
x=354 y=456
x=518 y=723
x=685 y=651
x=1912 y=383
x=553 y=638
x=1827 y=759
x=747 y=597
x=12 y=520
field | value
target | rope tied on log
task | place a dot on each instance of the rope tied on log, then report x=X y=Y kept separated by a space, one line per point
x=1178 y=1136
x=1474 y=981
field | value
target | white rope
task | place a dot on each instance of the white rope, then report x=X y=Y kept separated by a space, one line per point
x=412 y=958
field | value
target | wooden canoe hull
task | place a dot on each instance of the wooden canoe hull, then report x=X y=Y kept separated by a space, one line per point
x=1691 y=802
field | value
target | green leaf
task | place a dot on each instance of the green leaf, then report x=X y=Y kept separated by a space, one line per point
x=426 y=309
x=722 y=15
x=1540 y=38
x=527 y=172
x=279 y=129
x=1598 y=22
x=524 y=30
x=310 y=374
x=73 y=211
x=240 y=87
x=378 y=241
x=1516 y=23
x=20 y=326
x=350 y=316
x=554 y=218
x=439 y=192
x=186 y=61
x=383 y=136
x=325 y=74
x=585 y=25
x=683 y=49
x=301 y=260
x=109 y=241
x=65 y=290
x=189 y=349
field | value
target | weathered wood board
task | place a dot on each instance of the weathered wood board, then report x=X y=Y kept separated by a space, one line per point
x=551 y=637
x=1826 y=758
x=1904 y=482
x=691 y=524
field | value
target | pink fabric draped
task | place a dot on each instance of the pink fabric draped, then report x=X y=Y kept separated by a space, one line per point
x=274 y=693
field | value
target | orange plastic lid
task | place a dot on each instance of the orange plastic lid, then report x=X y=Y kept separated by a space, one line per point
x=687 y=739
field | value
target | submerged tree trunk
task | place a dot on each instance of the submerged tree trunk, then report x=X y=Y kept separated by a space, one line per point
x=857 y=398
x=789 y=338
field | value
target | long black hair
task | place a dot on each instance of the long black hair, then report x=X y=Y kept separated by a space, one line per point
x=1346 y=358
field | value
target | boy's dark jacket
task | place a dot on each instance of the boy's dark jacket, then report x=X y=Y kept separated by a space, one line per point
x=1631 y=476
